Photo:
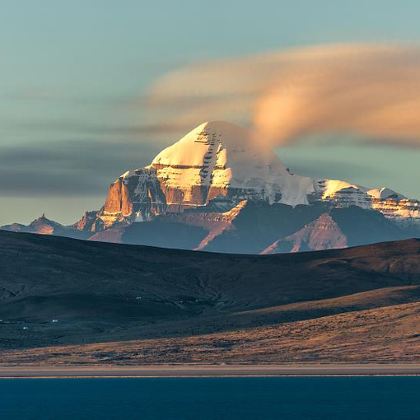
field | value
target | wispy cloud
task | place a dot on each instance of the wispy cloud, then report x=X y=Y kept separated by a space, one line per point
x=79 y=127
x=73 y=168
x=372 y=91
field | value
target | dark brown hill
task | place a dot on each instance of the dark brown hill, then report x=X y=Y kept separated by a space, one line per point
x=56 y=290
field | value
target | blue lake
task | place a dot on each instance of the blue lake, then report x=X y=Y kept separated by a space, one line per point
x=341 y=398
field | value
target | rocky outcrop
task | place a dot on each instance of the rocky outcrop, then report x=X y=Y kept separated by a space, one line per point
x=135 y=196
x=89 y=222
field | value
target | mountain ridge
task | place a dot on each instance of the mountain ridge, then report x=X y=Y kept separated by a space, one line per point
x=203 y=185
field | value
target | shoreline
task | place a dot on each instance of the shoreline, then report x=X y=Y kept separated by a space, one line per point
x=208 y=371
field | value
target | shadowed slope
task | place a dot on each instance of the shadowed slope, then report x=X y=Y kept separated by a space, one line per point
x=99 y=291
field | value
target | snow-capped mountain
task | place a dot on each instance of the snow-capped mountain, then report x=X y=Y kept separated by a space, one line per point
x=391 y=204
x=216 y=160
x=219 y=163
x=217 y=189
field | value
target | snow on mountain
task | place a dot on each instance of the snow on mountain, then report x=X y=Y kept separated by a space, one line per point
x=384 y=193
x=216 y=159
x=343 y=193
x=390 y=203
x=217 y=189
x=211 y=171
x=333 y=188
x=219 y=162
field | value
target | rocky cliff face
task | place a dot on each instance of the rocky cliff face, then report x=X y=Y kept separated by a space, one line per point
x=403 y=211
x=89 y=223
x=135 y=196
x=215 y=160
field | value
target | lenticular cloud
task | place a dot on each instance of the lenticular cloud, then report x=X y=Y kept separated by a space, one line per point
x=372 y=91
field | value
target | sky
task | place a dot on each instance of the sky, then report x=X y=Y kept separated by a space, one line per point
x=75 y=78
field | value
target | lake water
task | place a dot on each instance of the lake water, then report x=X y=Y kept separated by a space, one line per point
x=294 y=398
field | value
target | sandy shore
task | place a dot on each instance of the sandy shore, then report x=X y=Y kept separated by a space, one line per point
x=208 y=371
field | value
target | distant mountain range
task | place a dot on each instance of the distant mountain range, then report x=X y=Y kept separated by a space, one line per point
x=217 y=189
x=99 y=303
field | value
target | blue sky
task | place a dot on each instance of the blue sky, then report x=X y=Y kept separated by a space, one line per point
x=69 y=69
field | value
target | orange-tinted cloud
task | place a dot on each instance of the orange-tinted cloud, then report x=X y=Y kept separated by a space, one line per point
x=372 y=91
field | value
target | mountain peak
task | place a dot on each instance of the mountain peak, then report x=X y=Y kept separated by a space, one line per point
x=219 y=156
x=203 y=143
x=44 y=225
x=42 y=217
x=219 y=162
x=322 y=233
